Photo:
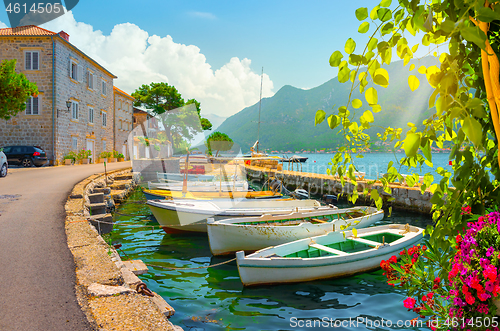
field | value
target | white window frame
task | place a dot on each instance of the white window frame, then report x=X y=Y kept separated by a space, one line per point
x=91 y=115
x=30 y=102
x=74 y=110
x=104 y=145
x=75 y=71
x=104 y=119
x=103 y=87
x=74 y=143
x=30 y=65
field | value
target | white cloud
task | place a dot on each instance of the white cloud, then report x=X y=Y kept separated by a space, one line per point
x=137 y=58
x=3 y=25
x=204 y=15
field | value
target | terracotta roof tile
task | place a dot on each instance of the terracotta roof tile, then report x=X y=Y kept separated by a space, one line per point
x=28 y=30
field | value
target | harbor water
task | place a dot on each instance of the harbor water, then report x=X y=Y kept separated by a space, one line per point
x=214 y=299
x=373 y=164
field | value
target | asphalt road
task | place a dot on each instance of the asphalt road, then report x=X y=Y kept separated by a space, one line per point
x=37 y=271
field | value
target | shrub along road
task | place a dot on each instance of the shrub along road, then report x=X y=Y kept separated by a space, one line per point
x=37 y=271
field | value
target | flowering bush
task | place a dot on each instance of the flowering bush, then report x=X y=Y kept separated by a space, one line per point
x=473 y=278
x=456 y=293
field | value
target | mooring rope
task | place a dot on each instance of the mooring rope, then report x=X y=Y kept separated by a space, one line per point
x=204 y=267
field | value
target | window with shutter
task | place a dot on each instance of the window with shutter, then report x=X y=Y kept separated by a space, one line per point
x=74 y=112
x=90 y=80
x=80 y=74
x=103 y=87
x=104 y=119
x=91 y=115
x=74 y=144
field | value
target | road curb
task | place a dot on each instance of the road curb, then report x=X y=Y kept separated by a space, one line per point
x=99 y=267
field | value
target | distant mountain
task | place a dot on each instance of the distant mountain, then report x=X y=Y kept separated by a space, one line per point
x=287 y=118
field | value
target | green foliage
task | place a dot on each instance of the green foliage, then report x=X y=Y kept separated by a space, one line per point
x=219 y=141
x=162 y=98
x=84 y=154
x=14 y=90
x=70 y=156
x=457 y=117
x=115 y=154
x=105 y=155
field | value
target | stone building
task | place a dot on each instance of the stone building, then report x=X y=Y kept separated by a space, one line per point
x=64 y=75
x=123 y=119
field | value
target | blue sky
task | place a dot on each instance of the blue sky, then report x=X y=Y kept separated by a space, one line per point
x=292 y=40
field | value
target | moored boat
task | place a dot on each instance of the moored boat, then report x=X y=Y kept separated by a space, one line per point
x=180 y=177
x=252 y=233
x=166 y=194
x=191 y=215
x=336 y=254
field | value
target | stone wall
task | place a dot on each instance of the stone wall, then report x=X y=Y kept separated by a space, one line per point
x=30 y=129
x=123 y=106
x=70 y=89
x=38 y=129
x=405 y=198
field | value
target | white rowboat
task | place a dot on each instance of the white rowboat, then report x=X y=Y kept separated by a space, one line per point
x=252 y=233
x=335 y=254
x=191 y=215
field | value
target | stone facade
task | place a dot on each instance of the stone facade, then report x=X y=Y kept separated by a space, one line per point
x=123 y=120
x=65 y=74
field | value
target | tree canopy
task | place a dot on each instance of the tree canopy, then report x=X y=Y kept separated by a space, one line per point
x=14 y=90
x=164 y=100
x=218 y=141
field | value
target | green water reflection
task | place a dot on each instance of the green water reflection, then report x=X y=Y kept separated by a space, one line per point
x=214 y=298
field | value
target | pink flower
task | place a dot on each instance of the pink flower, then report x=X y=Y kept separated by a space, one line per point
x=409 y=303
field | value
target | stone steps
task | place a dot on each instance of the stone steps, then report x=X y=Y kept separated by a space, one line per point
x=96 y=197
x=102 y=222
x=96 y=208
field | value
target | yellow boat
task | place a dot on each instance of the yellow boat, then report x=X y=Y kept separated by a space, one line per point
x=165 y=194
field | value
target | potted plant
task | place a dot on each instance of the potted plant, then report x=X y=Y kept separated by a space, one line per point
x=84 y=156
x=113 y=156
x=103 y=157
x=121 y=158
x=70 y=158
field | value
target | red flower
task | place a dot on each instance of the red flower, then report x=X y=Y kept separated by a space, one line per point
x=393 y=259
x=424 y=298
x=458 y=239
x=402 y=253
x=409 y=303
x=430 y=295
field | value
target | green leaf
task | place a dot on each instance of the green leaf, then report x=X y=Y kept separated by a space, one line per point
x=333 y=121
x=336 y=58
x=350 y=46
x=485 y=14
x=426 y=150
x=320 y=117
x=343 y=75
x=412 y=66
x=474 y=35
x=368 y=116
x=361 y=13
x=384 y=14
x=354 y=232
x=448 y=26
x=385 y=3
x=411 y=144
x=473 y=130
x=372 y=44
x=376 y=108
x=356 y=103
x=381 y=77
x=477 y=108
x=364 y=27
x=373 y=13
x=413 y=82
x=371 y=96
x=374 y=194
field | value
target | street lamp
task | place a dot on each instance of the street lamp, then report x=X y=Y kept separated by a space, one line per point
x=68 y=105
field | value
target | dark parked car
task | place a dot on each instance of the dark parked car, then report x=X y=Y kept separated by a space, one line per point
x=26 y=156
